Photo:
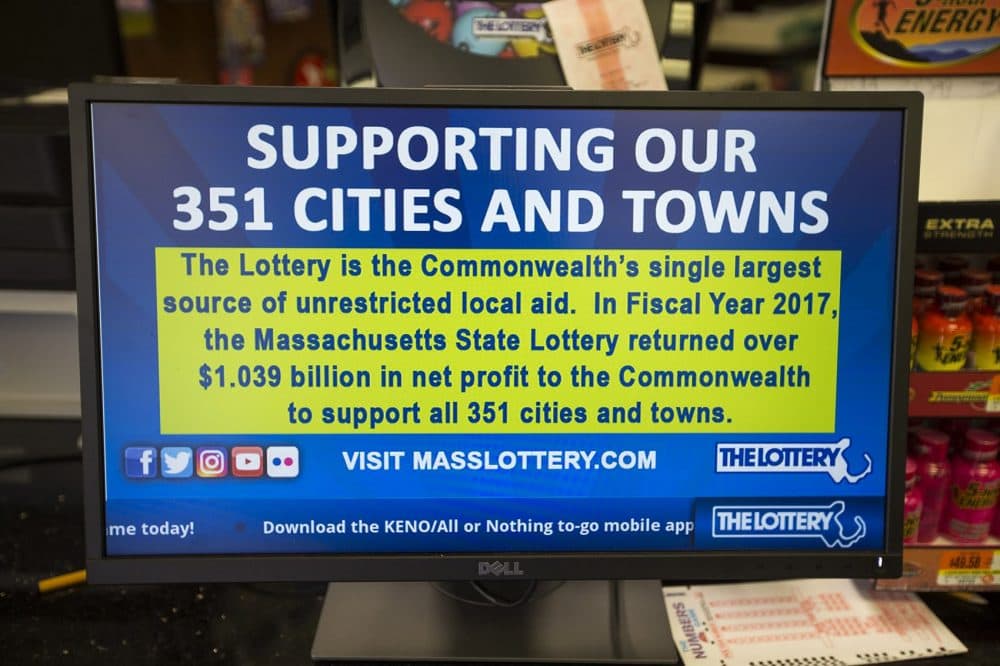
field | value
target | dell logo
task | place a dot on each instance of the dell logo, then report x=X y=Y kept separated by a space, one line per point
x=498 y=568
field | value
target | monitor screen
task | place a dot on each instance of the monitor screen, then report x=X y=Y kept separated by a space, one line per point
x=416 y=328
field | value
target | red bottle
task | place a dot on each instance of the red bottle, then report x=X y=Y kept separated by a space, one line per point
x=986 y=332
x=934 y=480
x=945 y=332
x=925 y=284
x=913 y=504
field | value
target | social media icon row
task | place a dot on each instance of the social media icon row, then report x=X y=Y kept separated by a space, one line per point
x=208 y=462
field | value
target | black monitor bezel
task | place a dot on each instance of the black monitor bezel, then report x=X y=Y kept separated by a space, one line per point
x=668 y=565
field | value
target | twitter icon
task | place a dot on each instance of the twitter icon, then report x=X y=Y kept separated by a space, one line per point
x=176 y=462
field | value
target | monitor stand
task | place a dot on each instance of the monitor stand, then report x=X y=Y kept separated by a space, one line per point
x=571 y=622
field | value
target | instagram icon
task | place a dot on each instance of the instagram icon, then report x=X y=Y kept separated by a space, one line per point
x=211 y=462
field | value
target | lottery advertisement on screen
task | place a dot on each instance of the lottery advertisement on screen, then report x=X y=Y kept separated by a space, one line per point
x=378 y=329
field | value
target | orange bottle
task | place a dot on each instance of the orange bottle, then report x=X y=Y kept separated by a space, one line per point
x=986 y=331
x=945 y=332
x=925 y=284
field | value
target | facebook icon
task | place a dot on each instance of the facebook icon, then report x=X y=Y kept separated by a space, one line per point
x=140 y=462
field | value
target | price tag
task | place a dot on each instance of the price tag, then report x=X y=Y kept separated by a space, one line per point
x=993 y=400
x=969 y=568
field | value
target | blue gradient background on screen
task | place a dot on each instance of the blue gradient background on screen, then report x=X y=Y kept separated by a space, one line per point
x=143 y=151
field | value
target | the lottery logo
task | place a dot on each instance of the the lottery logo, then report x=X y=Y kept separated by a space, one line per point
x=821 y=522
x=786 y=457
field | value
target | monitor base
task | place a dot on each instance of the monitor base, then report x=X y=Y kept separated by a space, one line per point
x=575 y=622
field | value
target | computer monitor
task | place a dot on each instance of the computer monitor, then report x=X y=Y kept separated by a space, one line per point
x=492 y=335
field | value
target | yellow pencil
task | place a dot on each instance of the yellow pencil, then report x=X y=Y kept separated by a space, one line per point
x=62 y=581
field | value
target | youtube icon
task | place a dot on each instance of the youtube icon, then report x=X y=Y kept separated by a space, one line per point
x=247 y=461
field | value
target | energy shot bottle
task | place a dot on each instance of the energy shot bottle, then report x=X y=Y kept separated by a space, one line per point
x=986 y=332
x=913 y=504
x=934 y=479
x=975 y=481
x=945 y=332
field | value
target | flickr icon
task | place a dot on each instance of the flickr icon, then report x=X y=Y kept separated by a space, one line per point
x=282 y=462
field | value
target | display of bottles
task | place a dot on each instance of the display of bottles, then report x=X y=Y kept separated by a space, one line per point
x=913 y=503
x=986 y=332
x=956 y=308
x=925 y=284
x=951 y=267
x=934 y=474
x=975 y=483
x=945 y=332
x=956 y=305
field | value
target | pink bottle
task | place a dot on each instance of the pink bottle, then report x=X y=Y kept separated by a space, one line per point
x=913 y=503
x=934 y=479
x=975 y=482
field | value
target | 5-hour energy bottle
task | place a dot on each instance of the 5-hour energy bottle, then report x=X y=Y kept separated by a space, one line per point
x=975 y=482
x=934 y=479
x=986 y=331
x=945 y=332
x=913 y=504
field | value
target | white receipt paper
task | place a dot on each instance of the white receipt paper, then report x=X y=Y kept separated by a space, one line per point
x=605 y=45
x=824 y=622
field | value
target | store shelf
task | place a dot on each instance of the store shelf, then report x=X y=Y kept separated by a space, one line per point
x=944 y=565
x=37 y=302
x=954 y=394
x=39 y=354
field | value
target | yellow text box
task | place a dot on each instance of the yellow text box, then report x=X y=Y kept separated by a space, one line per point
x=490 y=341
